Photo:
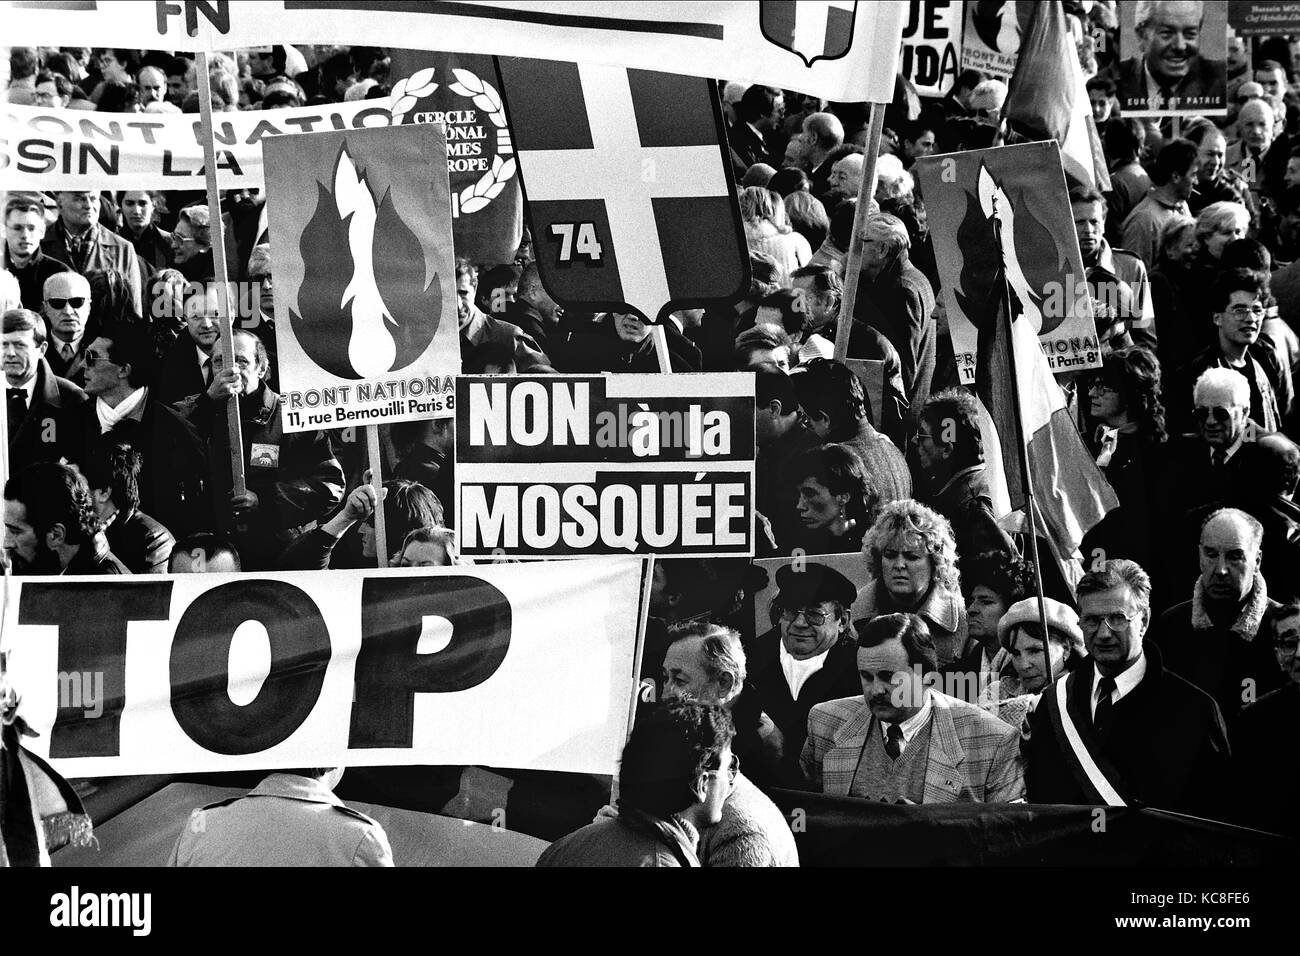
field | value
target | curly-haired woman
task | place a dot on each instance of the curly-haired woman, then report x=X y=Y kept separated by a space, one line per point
x=912 y=567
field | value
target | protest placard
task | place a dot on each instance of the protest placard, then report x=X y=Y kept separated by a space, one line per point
x=210 y=672
x=990 y=41
x=1252 y=18
x=563 y=466
x=1174 y=64
x=931 y=45
x=1039 y=240
x=687 y=37
x=364 y=276
x=629 y=192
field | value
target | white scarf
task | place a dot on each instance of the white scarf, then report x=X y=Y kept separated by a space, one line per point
x=109 y=417
x=797 y=672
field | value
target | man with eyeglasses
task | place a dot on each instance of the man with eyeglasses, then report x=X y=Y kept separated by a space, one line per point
x=1219 y=639
x=1125 y=730
x=1270 y=772
x=675 y=775
x=79 y=240
x=187 y=368
x=66 y=308
x=808 y=656
x=24 y=230
x=1238 y=299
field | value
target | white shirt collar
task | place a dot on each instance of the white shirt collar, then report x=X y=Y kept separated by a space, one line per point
x=204 y=357
x=1232 y=449
x=28 y=386
x=797 y=672
x=913 y=724
x=1124 y=683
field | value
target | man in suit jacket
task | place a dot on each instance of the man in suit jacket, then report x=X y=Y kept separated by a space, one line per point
x=187 y=367
x=758 y=114
x=79 y=240
x=1171 y=73
x=809 y=656
x=902 y=741
x=36 y=399
x=1141 y=734
x=66 y=310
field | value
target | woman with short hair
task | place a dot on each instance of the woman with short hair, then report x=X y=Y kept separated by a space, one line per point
x=1013 y=697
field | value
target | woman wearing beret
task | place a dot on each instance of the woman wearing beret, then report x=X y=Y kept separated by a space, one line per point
x=1012 y=697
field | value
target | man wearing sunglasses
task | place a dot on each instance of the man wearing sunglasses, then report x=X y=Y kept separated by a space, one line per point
x=1238 y=299
x=808 y=656
x=66 y=307
x=1125 y=729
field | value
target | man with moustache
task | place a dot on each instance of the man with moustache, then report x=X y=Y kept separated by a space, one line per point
x=1219 y=639
x=1126 y=730
x=1171 y=74
x=51 y=526
x=902 y=741
x=36 y=399
x=808 y=656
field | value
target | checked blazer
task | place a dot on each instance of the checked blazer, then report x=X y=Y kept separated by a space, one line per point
x=974 y=757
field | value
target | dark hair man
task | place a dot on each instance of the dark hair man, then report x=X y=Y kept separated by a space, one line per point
x=140 y=542
x=902 y=741
x=1174 y=175
x=675 y=776
x=24 y=230
x=1117 y=278
x=1140 y=733
x=50 y=524
x=36 y=400
x=758 y=115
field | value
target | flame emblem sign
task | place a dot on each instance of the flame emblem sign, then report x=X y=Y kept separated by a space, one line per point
x=366 y=306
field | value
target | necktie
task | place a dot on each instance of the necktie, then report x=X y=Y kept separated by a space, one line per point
x=207 y=371
x=1219 y=458
x=16 y=405
x=894 y=734
x=1105 y=687
x=67 y=352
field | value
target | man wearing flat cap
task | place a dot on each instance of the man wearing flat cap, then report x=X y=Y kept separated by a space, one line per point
x=808 y=656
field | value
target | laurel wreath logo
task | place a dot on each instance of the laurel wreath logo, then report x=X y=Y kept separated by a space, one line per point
x=409 y=91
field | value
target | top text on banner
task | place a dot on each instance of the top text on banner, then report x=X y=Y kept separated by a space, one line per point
x=365 y=276
x=845 y=50
x=560 y=466
x=221 y=672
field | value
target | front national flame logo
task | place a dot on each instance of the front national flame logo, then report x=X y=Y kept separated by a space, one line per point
x=365 y=308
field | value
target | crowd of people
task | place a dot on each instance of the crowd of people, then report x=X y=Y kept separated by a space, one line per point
x=927 y=680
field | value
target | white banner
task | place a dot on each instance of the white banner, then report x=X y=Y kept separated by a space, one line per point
x=529 y=666
x=47 y=148
x=752 y=42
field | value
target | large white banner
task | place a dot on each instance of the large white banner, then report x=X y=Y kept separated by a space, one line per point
x=529 y=666
x=837 y=49
x=47 y=148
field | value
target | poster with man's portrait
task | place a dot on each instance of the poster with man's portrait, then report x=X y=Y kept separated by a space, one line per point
x=1172 y=55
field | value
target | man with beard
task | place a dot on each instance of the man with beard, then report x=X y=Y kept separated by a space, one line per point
x=1219 y=639
x=901 y=741
x=807 y=656
x=24 y=230
x=292 y=480
x=50 y=524
x=1171 y=74
x=706 y=663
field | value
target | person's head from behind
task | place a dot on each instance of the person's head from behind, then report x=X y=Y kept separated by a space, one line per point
x=1125 y=139
x=408 y=505
x=203 y=553
x=705 y=662
x=763 y=107
x=49 y=516
x=808 y=217
x=763 y=346
x=785 y=309
x=948 y=436
x=895 y=652
x=776 y=411
x=832 y=398
x=113 y=473
x=678 y=763
x=427 y=548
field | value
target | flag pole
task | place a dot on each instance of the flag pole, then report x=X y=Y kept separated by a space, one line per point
x=853 y=261
x=226 y=340
x=377 y=482
x=1031 y=507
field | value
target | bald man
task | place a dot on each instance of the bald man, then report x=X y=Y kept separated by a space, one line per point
x=66 y=307
x=844 y=181
x=152 y=84
x=1220 y=639
x=822 y=132
x=1170 y=73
